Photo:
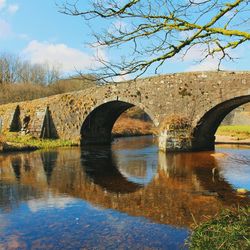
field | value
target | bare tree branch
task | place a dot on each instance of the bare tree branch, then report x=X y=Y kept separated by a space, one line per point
x=157 y=30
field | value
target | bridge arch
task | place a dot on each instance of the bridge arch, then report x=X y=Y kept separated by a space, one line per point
x=204 y=132
x=97 y=126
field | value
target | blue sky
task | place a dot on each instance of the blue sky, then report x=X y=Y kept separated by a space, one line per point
x=36 y=31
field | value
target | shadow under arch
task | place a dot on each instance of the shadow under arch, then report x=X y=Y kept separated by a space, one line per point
x=204 y=132
x=101 y=168
x=97 y=127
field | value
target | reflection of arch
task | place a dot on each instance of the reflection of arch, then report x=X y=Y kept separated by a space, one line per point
x=97 y=127
x=101 y=167
x=202 y=169
x=204 y=132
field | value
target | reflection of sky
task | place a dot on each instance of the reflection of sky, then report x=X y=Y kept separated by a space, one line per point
x=125 y=158
x=79 y=225
x=236 y=167
x=50 y=201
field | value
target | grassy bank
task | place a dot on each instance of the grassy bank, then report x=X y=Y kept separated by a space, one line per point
x=123 y=127
x=229 y=230
x=239 y=132
x=16 y=142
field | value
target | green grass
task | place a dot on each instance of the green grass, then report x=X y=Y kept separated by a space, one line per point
x=239 y=132
x=229 y=230
x=27 y=140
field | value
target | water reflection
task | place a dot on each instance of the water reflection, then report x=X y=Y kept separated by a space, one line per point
x=16 y=165
x=100 y=166
x=205 y=170
x=49 y=162
x=139 y=181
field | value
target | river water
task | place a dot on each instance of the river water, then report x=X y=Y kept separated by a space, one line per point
x=128 y=196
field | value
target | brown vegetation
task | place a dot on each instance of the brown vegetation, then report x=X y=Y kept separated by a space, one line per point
x=126 y=126
x=175 y=122
x=28 y=91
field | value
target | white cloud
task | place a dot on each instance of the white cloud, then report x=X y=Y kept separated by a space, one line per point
x=2 y=3
x=13 y=8
x=69 y=59
x=207 y=65
x=195 y=55
x=5 y=29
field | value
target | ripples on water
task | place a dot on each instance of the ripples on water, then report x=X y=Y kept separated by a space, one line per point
x=128 y=196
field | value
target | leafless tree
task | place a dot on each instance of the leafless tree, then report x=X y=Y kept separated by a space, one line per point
x=9 y=68
x=157 y=30
x=15 y=70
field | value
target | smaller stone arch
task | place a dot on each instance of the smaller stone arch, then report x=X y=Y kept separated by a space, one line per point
x=204 y=132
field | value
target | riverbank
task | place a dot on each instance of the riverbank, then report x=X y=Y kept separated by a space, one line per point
x=223 y=139
x=233 y=134
x=229 y=230
x=14 y=142
x=237 y=132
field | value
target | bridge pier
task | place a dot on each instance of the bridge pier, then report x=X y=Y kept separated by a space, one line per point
x=175 y=141
x=183 y=141
x=176 y=135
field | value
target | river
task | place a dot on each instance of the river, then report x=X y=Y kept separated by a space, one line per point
x=128 y=196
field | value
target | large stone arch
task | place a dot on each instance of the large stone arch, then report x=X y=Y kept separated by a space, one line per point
x=204 y=132
x=97 y=125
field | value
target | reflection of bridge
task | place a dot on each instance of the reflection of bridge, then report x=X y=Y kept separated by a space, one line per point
x=184 y=185
x=202 y=100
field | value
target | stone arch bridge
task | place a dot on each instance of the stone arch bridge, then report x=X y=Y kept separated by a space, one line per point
x=187 y=109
